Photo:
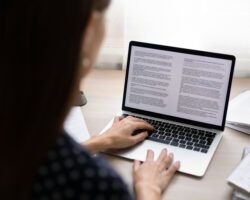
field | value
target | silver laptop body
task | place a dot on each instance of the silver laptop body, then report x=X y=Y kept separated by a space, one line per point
x=186 y=92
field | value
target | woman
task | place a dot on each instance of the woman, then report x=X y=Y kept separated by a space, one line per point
x=47 y=47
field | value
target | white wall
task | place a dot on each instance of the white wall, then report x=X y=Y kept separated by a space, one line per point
x=111 y=55
x=211 y=25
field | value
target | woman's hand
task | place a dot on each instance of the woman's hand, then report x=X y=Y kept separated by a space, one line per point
x=152 y=177
x=120 y=135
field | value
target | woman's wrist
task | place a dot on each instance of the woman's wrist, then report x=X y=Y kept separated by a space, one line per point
x=147 y=192
x=98 y=143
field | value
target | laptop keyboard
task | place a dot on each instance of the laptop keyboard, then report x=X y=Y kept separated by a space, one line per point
x=180 y=136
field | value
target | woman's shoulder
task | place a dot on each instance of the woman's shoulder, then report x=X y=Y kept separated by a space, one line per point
x=71 y=172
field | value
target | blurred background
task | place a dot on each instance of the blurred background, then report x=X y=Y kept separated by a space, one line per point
x=211 y=25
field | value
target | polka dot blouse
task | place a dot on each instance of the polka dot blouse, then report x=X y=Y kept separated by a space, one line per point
x=70 y=172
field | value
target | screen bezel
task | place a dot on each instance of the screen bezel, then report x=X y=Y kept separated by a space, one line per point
x=187 y=51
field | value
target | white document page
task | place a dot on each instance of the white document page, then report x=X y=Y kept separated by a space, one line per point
x=177 y=84
x=239 y=109
x=75 y=125
x=239 y=127
x=241 y=175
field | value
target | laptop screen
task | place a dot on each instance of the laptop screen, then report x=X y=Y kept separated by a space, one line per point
x=178 y=84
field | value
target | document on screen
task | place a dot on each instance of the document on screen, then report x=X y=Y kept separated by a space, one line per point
x=178 y=84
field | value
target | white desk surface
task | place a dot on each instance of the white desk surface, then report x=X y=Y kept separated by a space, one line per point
x=104 y=89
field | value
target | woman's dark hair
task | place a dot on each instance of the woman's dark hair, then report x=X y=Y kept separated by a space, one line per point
x=40 y=44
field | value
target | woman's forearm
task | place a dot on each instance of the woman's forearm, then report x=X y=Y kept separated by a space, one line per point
x=97 y=144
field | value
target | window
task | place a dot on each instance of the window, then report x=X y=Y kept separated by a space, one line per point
x=211 y=25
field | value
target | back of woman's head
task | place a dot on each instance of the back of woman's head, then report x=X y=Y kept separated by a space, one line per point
x=40 y=44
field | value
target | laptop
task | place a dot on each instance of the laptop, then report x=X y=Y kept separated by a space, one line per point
x=184 y=94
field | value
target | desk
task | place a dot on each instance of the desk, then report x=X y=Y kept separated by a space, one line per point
x=104 y=89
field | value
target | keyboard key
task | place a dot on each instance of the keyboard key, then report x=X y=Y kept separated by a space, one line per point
x=188 y=135
x=202 y=138
x=204 y=150
x=189 y=147
x=174 y=144
x=155 y=139
x=210 y=134
x=181 y=133
x=195 y=140
x=201 y=134
x=195 y=136
x=187 y=130
x=201 y=146
x=202 y=142
x=161 y=129
x=210 y=139
x=196 y=149
x=161 y=124
x=188 y=139
x=180 y=129
x=182 y=142
x=166 y=141
x=198 y=145
x=175 y=140
x=154 y=135
x=167 y=134
x=168 y=138
x=162 y=137
x=181 y=137
x=190 y=143
x=182 y=146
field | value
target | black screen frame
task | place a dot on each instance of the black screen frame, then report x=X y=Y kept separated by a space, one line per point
x=187 y=51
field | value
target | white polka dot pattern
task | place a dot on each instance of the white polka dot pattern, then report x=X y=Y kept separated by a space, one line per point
x=71 y=173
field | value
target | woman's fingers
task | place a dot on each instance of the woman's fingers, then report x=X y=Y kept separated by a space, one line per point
x=136 y=165
x=165 y=161
x=150 y=155
x=139 y=137
x=139 y=123
x=117 y=119
x=169 y=160
x=142 y=125
x=162 y=155
x=136 y=126
x=134 y=118
x=172 y=169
